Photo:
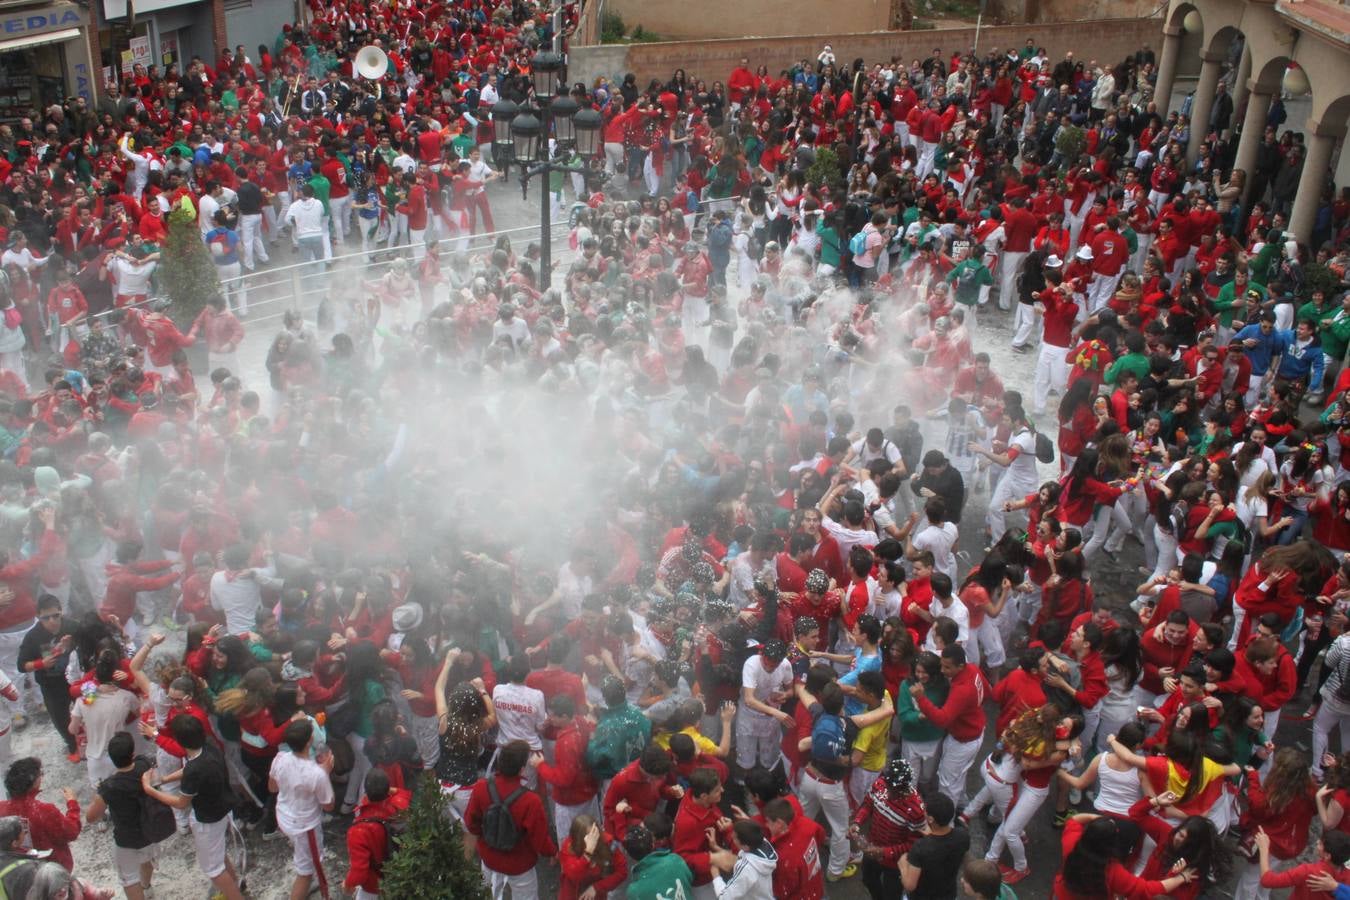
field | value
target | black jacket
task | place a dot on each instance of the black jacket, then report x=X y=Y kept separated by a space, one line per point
x=949 y=485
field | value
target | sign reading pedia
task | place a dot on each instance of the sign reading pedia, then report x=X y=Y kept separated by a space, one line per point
x=23 y=23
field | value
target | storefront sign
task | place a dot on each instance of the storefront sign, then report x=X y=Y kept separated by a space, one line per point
x=38 y=21
x=140 y=51
x=84 y=86
x=168 y=49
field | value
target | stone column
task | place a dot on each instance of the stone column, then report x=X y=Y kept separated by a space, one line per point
x=1320 y=144
x=1210 y=68
x=1167 y=68
x=1253 y=128
x=1244 y=73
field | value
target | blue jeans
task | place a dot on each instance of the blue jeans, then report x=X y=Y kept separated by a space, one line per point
x=311 y=249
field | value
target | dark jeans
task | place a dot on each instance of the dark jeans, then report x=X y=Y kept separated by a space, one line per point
x=882 y=882
x=56 y=697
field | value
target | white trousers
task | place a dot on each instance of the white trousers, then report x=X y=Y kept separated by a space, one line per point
x=523 y=887
x=956 y=759
x=1331 y=714
x=1009 y=265
x=922 y=757
x=340 y=208
x=1024 y=325
x=1009 y=834
x=251 y=244
x=1052 y=373
x=233 y=287
x=816 y=796
x=9 y=662
x=563 y=815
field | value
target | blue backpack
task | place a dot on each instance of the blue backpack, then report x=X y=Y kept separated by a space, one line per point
x=857 y=245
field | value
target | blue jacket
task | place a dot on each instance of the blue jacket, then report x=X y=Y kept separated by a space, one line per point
x=1298 y=363
x=719 y=244
x=1268 y=347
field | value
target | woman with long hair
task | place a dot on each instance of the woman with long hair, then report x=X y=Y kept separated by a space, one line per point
x=1040 y=740
x=1089 y=496
x=1243 y=732
x=464 y=716
x=1254 y=507
x=1184 y=769
x=254 y=705
x=1281 y=803
x=1095 y=849
x=592 y=861
x=1331 y=519
x=920 y=738
x=1271 y=585
x=1117 y=781
x=1193 y=845
x=1124 y=664
x=1077 y=421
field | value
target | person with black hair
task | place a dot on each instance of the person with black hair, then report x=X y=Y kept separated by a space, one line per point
x=656 y=873
x=120 y=797
x=766 y=684
x=930 y=869
x=304 y=793
x=639 y=789
x=106 y=710
x=204 y=785
x=699 y=818
x=512 y=866
x=620 y=735
x=751 y=877
x=962 y=717
x=51 y=829
x=574 y=787
x=44 y=653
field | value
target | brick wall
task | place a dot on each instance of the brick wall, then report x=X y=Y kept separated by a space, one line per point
x=692 y=20
x=1105 y=40
x=218 y=31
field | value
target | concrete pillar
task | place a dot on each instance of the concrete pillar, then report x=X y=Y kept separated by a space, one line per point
x=1167 y=68
x=1320 y=144
x=1244 y=73
x=1253 y=128
x=1210 y=69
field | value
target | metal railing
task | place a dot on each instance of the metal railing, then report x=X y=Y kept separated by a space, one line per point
x=302 y=286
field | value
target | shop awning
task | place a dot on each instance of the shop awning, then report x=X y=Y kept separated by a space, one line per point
x=37 y=40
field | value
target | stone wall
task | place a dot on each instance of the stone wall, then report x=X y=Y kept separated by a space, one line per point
x=1107 y=40
x=703 y=19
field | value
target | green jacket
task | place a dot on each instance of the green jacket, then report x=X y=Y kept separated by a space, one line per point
x=1228 y=303
x=913 y=726
x=1137 y=363
x=660 y=875
x=1333 y=328
x=969 y=276
x=619 y=738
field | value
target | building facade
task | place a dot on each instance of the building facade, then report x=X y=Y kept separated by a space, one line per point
x=1285 y=49
x=45 y=56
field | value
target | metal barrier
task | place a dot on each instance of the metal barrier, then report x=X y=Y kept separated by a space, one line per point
x=302 y=286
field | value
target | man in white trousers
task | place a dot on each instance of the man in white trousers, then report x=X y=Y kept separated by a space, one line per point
x=961 y=716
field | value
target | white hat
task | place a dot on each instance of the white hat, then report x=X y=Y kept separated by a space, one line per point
x=1085 y=252
x=1053 y=262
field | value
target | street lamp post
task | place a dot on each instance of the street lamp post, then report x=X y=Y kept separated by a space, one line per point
x=538 y=138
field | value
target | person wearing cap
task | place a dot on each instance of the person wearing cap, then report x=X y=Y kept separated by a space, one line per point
x=894 y=816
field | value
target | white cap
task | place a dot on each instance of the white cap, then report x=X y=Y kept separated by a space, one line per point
x=1085 y=252
x=1053 y=262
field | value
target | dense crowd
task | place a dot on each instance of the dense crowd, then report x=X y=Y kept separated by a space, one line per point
x=659 y=571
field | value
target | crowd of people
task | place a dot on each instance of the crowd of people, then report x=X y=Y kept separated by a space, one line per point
x=660 y=571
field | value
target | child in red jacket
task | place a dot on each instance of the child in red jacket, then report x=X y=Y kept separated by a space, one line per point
x=368 y=837
x=590 y=859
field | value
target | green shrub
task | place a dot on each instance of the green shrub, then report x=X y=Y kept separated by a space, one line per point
x=612 y=28
x=429 y=861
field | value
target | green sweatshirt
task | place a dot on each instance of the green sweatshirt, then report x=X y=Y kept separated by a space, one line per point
x=913 y=726
x=1131 y=362
x=660 y=875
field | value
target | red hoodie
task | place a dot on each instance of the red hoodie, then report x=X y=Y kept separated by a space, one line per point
x=126 y=581
x=18 y=577
x=569 y=777
x=962 y=716
x=798 y=874
x=367 y=841
x=532 y=827
x=642 y=796
x=579 y=873
x=1159 y=654
x=690 y=839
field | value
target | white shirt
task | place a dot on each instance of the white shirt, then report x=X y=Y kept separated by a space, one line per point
x=848 y=538
x=1267 y=456
x=866 y=454
x=307 y=216
x=239 y=597
x=303 y=790
x=132 y=277
x=763 y=682
x=1022 y=471
x=207 y=208
x=572 y=589
x=743 y=575
x=939 y=540
x=520 y=714
x=957 y=612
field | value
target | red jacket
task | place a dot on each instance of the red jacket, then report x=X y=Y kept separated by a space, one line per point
x=690 y=839
x=164 y=740
x=51 y=829
x=798 y=874
x=1015 y=693
x=532 y=827
x=1158 y=654
x=642 y=795
x=571 y=780
x=1272 y=691
x=18 y=577
x=367 y=840
x=578 y=873
x=962 y=716
x=1287 y=827
x=125 y=582
x=1095 y=687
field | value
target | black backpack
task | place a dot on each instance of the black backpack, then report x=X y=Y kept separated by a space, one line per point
x=1045 y=448
x=499 y=829
x=393 y=830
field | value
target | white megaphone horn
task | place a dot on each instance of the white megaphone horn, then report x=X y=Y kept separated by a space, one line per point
x=371 y=63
